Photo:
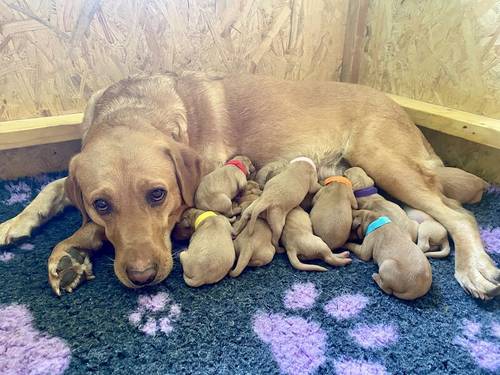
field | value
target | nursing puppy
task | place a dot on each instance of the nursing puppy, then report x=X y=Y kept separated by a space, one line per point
x=331 y=215
x=281 y=194
x=300 y=242
x=217 y=189
x=432 y=236
x=369 y=199
x=255 y=249
x=461 y=185
x=404 y=271
x=210 y=254
x=250 y=193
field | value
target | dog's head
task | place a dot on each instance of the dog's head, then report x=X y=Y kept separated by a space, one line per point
x=359 y=178
x=136 y=185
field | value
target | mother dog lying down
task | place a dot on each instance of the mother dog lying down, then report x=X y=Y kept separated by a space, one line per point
x=147 y=142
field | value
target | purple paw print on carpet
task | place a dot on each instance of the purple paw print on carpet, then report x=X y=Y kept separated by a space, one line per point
x=24 y=349
x=19 y=193
x=349 y=366
x=485 y=353
x=155 y=313
x=491 y=239
x=5 y=256
x=299 y=345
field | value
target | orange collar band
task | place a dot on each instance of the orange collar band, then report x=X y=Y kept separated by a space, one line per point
x=339 y=179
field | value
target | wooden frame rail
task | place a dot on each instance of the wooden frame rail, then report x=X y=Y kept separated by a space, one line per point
x=475 y=128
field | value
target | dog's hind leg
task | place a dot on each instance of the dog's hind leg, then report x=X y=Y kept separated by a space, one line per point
x=47 y=204
x=276 y=219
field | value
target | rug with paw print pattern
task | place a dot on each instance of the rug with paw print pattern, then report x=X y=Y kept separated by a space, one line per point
x=270 y=320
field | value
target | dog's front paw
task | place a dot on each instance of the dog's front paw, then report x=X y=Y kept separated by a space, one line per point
x=14 y=229
x=68 y=268
x=479 y=276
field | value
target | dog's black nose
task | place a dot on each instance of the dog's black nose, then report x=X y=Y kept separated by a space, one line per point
x=142 y=277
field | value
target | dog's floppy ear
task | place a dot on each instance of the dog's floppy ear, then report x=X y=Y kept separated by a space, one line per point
x=188 y=170
x=73 y=191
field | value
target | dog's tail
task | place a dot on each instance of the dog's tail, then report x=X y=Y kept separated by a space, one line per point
x=243 y=260
x=297 y=264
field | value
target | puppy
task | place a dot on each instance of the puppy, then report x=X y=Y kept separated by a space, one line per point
x=404 y=271
x=368 y=199
x=281 y=194
x=255 y=249
x=211 y=253
x=300 y=242
x=217 y=189
x=250 y=193
x=331 y=215
x=461 y=185
x=432 y=236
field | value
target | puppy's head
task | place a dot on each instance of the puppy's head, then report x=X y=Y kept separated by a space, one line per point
x=359 y=178
x=247 y=163
x=360 y=221
x=135 y=185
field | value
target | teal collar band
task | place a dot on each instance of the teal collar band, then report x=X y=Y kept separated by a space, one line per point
x=375 y=224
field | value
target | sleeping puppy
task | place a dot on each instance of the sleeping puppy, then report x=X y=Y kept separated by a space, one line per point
x=404 y=271
x=281 y=194
x=461 y=185
x=432 y=236
x=210 y=254
x=255 y=249
x=368 y=199
x=250 y=193
x=217 y=189
x=331 y=215
x=300 y=242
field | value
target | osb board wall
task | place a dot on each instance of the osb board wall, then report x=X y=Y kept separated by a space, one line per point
x=472 y=157
x=55 y=53
x=442 y=52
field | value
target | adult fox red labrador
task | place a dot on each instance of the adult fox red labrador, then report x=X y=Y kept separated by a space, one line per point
x=147 y=142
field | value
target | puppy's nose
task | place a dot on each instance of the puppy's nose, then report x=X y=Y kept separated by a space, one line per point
x=141 y=276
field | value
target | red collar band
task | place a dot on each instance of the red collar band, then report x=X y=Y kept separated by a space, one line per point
x=238 y=164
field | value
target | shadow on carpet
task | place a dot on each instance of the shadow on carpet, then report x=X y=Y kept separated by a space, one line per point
x=270 y=320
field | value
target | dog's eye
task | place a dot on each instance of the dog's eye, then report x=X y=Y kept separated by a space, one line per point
x=156 y=196
x=102 y=207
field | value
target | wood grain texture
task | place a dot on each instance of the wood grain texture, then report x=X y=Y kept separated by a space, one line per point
x=441 y=52
x=54 y=54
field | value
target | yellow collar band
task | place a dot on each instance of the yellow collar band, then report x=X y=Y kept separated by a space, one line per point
x=201 y=218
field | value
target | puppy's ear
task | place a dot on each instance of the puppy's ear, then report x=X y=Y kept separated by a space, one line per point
x=188 y=170
x=73 y=191
x=356 y=219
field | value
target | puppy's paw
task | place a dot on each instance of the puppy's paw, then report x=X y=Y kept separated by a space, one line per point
x=341 y=259
x=68 y=268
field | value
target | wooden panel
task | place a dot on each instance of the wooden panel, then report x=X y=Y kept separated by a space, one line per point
x=441 y=52
x=54 y=54
x=475 y=128
x=38 y=131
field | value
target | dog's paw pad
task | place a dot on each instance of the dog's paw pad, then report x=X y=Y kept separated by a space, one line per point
x=73 y=268
x=346 y=306
x=349 y=366
x=298 y=345
x=300 y=296
x=374 y=336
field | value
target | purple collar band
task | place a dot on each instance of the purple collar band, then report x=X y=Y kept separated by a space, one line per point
x=365 y=192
